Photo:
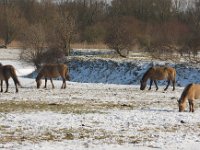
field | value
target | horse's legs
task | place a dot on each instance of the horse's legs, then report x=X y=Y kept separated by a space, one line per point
x=45 y=84
x=1 y=85
x=173 y=83
x=191 y=105
x=52 y=83
x=151 y=81
x=16 y=87
x=155 y=82
x=168 y=83
x=64 y=84
x=7 y=85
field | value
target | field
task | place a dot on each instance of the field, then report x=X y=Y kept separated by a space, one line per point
x=93 y=116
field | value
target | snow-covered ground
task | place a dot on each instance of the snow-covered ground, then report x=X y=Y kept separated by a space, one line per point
x=90 y=116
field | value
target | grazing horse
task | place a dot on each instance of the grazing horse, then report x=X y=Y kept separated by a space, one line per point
x=190 y=93
x=7 y=71
x=158 y=73
x=52 y=71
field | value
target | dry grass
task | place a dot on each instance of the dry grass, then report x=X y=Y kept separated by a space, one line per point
x=89 y=46
x=79 y=108
x=15 y=44
x=84 y=45
x=35 y=107
x=19 y=135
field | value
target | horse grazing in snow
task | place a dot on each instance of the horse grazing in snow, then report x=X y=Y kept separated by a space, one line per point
x=158 y=73
x=190 y=93
x=53 y=71
x=7 y=71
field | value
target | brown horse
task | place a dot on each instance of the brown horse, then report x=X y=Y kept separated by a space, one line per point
x=158 y=73
x=7 y=71
x=52 y=71
x=190 y=93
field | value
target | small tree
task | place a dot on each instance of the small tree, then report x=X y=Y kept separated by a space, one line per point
x=11 y=20
x=34 y=45
x=119 y=38
x=61 y=34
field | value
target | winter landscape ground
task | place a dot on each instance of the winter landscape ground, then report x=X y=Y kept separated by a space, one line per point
x=96 y=116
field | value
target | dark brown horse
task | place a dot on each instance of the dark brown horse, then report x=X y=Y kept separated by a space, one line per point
x=190 y=93
x=158 y=73
x=7 y=71
x=53 y=71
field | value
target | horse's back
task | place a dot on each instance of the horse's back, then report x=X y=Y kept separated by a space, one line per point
x=171 y=72
x=160 y=73
x=53 y=70
x=194 y=91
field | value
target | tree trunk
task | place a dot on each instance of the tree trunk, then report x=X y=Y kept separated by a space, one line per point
x=66 y=49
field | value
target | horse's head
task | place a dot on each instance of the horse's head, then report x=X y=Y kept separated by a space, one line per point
x=39 y=82
x=142 y=85
x=181 y=106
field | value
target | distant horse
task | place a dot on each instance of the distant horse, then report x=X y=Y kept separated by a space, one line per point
x=190 y=93
x=158 y=73
x=7 y=71
x=52 y=71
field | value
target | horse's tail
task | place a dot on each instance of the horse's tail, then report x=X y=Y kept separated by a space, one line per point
x=67 y=74
x=185 y=91
x=14 y=76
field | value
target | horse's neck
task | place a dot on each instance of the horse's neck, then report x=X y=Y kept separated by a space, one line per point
x=146 y=76
x=185 y=93
x=184 y=96
x=183 y=99
x=39 y=76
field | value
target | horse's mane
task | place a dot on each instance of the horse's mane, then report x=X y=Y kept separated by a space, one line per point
x=147 y=72
x=185 y=91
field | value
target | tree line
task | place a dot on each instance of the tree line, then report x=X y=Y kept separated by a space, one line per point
x=49 y=27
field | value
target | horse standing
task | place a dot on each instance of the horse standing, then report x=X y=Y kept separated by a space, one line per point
x=158 y=73
x=190 y=93
x=52 y=71
x=7 y=71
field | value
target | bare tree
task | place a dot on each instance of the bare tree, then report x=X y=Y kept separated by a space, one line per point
x=192 y=44
x=62 y=32
x=34 y=45
x=119 y=38
x=11 y=20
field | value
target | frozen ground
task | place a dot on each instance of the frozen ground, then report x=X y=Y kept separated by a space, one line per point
x=90 y=116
